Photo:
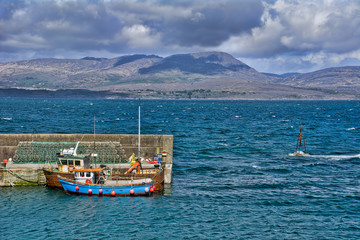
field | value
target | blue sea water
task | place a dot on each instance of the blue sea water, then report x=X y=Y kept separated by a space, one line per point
x=233 y=177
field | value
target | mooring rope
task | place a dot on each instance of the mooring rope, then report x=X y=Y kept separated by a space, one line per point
x=20 y=177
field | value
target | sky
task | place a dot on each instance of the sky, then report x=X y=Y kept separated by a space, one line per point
x=275 y=36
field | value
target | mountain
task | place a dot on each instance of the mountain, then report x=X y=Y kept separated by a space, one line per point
x=193 y=75
x=280 y=75
x=86 y=73
x=126 y=72
x=340 y=79
x=202 y=63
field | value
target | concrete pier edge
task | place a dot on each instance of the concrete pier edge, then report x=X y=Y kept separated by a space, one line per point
x=33 y=171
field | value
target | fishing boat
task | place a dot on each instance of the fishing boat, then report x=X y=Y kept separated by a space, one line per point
x=67 y=160
x=153 y=170
x=66 y=164
x=93 y=182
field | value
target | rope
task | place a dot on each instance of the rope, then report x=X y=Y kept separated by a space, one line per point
x=20 y=177
x=8 y=176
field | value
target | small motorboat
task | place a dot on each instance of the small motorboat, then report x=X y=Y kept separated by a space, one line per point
x=93 y=182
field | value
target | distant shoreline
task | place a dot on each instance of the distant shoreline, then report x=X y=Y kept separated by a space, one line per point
x=105 y=94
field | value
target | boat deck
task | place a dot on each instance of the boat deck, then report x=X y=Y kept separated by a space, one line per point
x=129 y=182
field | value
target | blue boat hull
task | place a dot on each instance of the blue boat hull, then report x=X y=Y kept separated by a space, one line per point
x=138 y=190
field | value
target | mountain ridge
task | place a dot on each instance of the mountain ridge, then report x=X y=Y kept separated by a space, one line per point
x=217 y=73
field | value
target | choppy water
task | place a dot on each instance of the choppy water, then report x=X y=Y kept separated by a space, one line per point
x=233 y=176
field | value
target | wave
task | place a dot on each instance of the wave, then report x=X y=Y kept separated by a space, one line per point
x=349 y=129
x=336 y=157
x=299 y=154
x=332 y=157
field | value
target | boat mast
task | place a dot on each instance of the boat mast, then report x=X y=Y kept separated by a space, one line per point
x=94 y=142
x=139 y=128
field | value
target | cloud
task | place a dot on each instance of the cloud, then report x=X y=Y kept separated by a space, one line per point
x=299 y=27
x=140 y=36
x=313 y=33
x=90 y=25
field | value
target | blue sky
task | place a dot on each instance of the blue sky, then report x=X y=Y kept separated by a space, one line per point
x=275 y=36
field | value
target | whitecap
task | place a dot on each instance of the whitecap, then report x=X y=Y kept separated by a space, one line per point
x=299 y=154
x=349 y=129
x=8 y=119
x=336 y=157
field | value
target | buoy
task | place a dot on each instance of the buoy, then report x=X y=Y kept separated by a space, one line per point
x=132 y=191
x=113 y=193
x=100 y=191
x=147 y=189
x=90 y=191
x=300 y=143
x=152 y=189
x=77 y=188
x=5 y=160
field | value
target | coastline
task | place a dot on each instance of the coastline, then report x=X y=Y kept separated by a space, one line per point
x=170 y=95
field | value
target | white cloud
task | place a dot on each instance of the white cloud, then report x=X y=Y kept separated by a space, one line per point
x=262 y=41
x=139 y=36
x=299 y=27
x=26 y=41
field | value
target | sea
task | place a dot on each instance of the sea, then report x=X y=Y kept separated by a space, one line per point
x=234 y=175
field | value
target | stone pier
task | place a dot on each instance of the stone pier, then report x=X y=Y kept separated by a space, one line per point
x=30 y=173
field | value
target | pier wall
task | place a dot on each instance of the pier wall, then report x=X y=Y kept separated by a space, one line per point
x=150 y=145
x=21 y=175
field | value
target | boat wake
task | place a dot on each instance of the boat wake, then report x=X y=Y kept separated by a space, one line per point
x=331 y=157
x=299 y=153
x=336 y=157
